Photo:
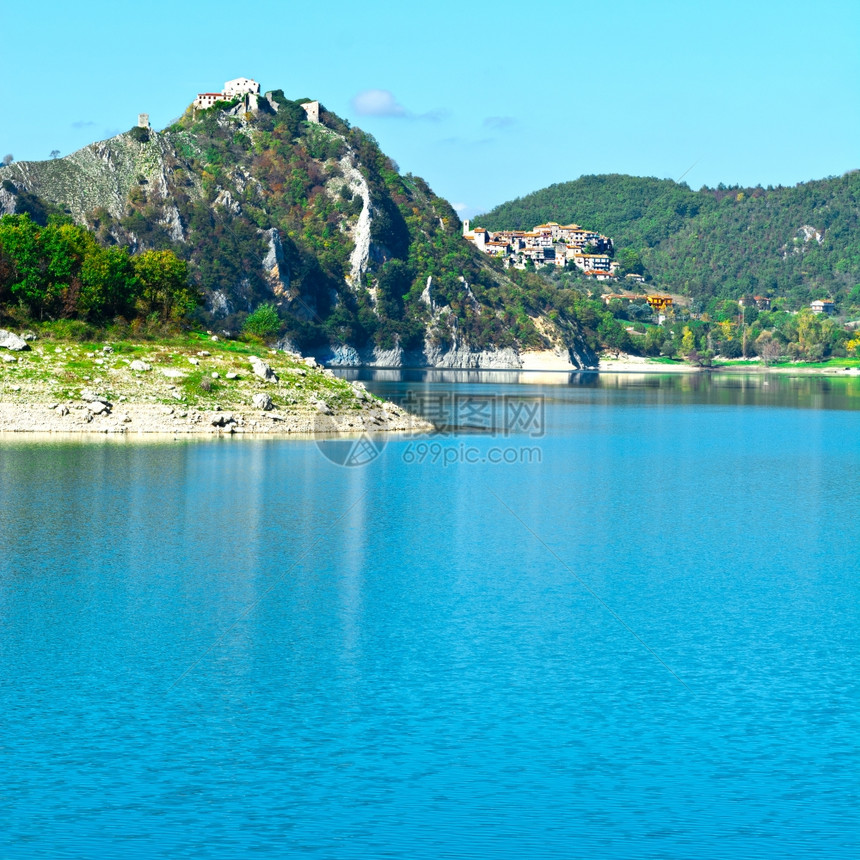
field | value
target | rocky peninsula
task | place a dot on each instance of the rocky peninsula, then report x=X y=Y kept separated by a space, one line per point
x=193 y=384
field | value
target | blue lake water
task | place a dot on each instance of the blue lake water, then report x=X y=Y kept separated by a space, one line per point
x=640 y=640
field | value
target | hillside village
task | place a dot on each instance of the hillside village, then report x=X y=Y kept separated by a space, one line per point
x=554 y=244
x=548 y=244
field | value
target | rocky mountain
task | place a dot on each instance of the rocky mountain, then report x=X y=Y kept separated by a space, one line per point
x=268 y=205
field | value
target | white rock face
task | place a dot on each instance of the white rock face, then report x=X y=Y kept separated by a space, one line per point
x=361 y=235
x=226 y=200
x=807 y=233
x=173 y=222
x=275 y=266
x=11 y=341
x=452 y=357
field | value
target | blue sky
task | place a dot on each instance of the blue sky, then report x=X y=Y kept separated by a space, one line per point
x=487 y=101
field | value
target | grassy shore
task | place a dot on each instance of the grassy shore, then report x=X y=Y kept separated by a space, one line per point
x=185 y=383
x=666 y=364
x=831 y=367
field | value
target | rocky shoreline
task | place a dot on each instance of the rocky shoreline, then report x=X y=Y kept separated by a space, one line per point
x=178 y=389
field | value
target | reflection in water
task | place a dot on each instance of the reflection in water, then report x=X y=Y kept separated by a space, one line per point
x=725 y=389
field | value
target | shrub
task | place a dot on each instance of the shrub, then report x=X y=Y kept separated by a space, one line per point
x=141 y=135
x=263 y=322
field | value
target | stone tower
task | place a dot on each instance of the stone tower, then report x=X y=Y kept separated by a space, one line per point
x=143 y=120
x=312 y=109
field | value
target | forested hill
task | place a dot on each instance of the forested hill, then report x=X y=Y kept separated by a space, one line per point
x=267 y=207
x=801 y=242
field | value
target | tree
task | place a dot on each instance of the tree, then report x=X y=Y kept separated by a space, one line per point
x=264 y=322
x=163 y=285
x=108 y=283
x=769 y=348
x=688 y=341
x=613 y=334
x=630 y=263
x=655 y=337
x=8 y=159
x=55 y=153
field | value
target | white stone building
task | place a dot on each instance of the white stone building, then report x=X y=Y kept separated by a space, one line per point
x=232 y=89
x=240 y=86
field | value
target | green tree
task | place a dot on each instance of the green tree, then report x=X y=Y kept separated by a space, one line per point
x=655 y=337
x=108 y=284
x=163 y=285
x=263 y=322
x=688 y=341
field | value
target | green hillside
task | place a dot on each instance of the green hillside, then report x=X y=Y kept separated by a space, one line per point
x=799 y=243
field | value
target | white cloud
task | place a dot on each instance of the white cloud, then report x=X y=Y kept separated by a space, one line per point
x=378 y=103
x=383 y=103
x=459 y=207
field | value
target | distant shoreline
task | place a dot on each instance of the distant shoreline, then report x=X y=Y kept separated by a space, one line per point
x=635 y=364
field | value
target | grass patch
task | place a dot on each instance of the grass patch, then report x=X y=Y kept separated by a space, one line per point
x=199 y=385
x=838 y=363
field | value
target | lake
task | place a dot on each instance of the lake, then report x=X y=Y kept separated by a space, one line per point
x=605 y=616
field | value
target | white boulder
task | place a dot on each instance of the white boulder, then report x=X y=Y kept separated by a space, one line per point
x=8 y=340
x=263 y=370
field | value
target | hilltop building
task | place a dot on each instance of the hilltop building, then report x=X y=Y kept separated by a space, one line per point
x=312 y=111
x=240 y=86
x=249 y=90
x=232 y=89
